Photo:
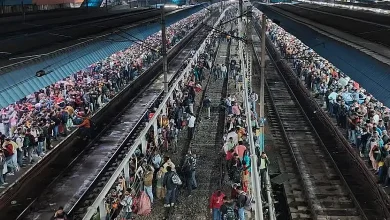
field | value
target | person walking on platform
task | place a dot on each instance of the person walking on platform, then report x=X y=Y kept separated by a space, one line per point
x=207 y=105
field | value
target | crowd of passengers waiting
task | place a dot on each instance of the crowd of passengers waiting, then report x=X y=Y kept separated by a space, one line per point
x=365 y=119
x=29 y=126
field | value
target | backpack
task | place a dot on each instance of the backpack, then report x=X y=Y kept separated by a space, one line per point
x=26 y=141
x=172 y=133
x=8 y=150
x=230 y=214
x=176 y=179
x=190 y=165
x=248 y=201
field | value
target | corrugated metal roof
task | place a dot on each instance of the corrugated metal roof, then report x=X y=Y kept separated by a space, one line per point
x=371 y=74
x=19 y=83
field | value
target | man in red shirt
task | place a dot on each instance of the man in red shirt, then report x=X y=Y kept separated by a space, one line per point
x=240 y=149
x=216 y=201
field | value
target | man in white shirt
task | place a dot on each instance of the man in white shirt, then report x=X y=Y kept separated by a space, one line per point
x=224 y=71
x=191 y=126
x=332 y=100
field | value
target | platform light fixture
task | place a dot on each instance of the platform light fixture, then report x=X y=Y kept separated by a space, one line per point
x=40 y=73
x=171 y=6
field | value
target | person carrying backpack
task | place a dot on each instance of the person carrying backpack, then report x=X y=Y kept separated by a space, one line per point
x=171 y=182
x=244 y=202
x=28 y=145
x=227 y=209
x=188 y=169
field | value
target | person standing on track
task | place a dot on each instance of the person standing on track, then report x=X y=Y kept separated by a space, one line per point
x=170 y=185
x=216 y=201
x=188 y=169
x=207 y=105
x=191 y=126
x=264 y=162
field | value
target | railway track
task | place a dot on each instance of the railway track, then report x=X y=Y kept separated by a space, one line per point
x=316 y=188
x=79 y=184
x=298 y=207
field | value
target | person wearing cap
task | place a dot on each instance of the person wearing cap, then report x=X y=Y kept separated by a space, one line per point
x=216 y=201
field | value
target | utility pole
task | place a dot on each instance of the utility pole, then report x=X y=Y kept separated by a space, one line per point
x=164 y=50
x=249 y=45
x=241 y=10
x=262 y=80
x=24 y=12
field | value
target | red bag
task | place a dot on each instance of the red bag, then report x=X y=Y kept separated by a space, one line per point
x=9 y=150
x=144 y=206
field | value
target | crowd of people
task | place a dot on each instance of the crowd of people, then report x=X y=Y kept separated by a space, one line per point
x=238 y=161
x=236 y=152
x=153 y=175
x=28 y=127
x=365 y=118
